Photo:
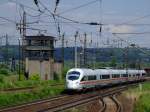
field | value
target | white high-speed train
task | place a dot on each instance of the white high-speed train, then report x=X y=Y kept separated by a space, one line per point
x=78 y=79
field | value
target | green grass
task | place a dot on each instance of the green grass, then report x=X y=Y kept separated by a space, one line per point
x=42 y=89
x=9 y=99
x=27 y=83
x=143 y=102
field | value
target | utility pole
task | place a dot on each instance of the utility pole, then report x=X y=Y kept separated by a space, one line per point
x=84 y=50
x=94 y=55
x=75 y=50
x=22 y=28
x=24 y=25
x=7 y=49
x=19 y=61
x=23 y=38
x=126 y=59
x=62 y=51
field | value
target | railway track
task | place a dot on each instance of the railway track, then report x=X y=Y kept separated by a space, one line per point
x=34 y=103
x=110 y=104
x=84 y=100
x=64 y=102
x=104 y=106
x=118 y=104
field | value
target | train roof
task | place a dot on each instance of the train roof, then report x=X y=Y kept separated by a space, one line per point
x=110 y=71
x=87 y=71
x=102 y=71
x=83 y=70
x=118 y=71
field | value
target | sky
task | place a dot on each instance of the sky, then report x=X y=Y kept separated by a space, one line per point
x=118 y=16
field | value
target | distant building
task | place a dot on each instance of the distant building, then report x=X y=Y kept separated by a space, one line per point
x=39 y=56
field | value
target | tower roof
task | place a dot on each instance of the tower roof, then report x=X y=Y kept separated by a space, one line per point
x=39 y=37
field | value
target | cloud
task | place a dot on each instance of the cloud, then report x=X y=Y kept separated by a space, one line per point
x=120 y=29
x=10 y=5
x=7 y=4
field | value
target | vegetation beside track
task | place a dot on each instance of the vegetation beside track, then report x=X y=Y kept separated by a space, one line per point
x=28 y=83
x=141 y=96
x=10 y=85
x=9 y=99
x=143 y=102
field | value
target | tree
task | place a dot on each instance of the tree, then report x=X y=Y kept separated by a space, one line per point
x=113 y=62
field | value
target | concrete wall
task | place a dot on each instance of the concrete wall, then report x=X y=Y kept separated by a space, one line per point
x=58 y=69
x=43 y=68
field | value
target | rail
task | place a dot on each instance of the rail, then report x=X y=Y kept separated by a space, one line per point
x=65 y=101
x=104 y=106
x=118 y=104
x=84 y=100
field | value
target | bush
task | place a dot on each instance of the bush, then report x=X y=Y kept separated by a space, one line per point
x=3 y=66
x=1 y=79
x=22 y=77
x=8 y=99
x=4 y=71
x=35 y=77
x=143 y=104
x=64 y=72
x=56 y=76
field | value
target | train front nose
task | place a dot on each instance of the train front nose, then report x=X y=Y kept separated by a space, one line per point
x=72 y=85
x=72 y=80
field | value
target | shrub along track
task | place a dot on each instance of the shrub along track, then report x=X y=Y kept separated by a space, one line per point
x=65 y=101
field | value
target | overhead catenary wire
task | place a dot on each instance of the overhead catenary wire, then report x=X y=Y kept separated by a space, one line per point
x=129 y=43
x=53 y=15
x=26 y=6
x=78 y=7
x=68 y=19
x=133 y=20
x=130 y=33
x=139 y=18
x=9 y=20
x=74 y=21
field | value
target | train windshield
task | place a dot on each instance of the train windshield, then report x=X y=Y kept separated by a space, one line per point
x=74 y=75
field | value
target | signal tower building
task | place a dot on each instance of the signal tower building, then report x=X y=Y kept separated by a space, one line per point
x=39 y=56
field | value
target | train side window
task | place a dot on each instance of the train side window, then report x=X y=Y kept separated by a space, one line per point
x=115 y=75
x=84 y=78
x=125 y=75
x=137 y=74
x=134 y=75
x=105 y=76
x=143 y=74
x=92 y=77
